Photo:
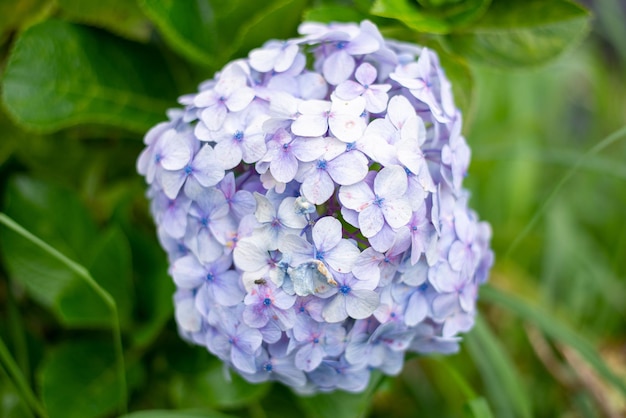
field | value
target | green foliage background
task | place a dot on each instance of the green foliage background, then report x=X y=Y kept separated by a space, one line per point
x=86 y=321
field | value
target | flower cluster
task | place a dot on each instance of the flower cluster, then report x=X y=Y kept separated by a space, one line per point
x=309 y=198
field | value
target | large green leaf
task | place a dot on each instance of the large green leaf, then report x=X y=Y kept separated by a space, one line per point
x=111 y=267
x=279 y=21
x=60 y=75
x=45 y=211
x=79 y=380
x=154 y=305
x=211 y=389
x=122 y=17
x=192 y=413
x=340 y=404
x=188 y=26
x=56 y=216
x=521 y=33
x=333 y=13
x=434 y=18
x=212 y=32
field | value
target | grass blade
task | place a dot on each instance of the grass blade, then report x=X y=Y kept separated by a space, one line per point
x=554 y=329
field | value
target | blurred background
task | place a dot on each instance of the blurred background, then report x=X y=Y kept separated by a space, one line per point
x=81 y=82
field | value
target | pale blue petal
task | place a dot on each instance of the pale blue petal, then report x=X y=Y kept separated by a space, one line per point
x=338 y=67
x=348 y=168
x=187 y=272
x=248 y=339
x=397 y=212
x=284 y=167
x=335 y=310
x=308 y=149
x=318 y=187
x=371 y=221
x=226 y=288
x=460 y=322
x=366 y=265
x=171 y=182
x=342 y=257
x=309 y=357
x=265 y=211
x=357 y=196
x=288 y=215
x=444 y=305
x=416 y=309
x=391 y=182
x=228 y=153
x=348 y=90
x=176 y=149
x=326 y=233
x=242 y=361
x=206 y=168
x=361 y=303
x=249 y=256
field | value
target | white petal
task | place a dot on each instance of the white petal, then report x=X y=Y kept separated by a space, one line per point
x=391 y=182
x=361 y=303
x=326 y=233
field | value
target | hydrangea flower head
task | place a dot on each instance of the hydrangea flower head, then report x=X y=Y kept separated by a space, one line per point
x=310 y=201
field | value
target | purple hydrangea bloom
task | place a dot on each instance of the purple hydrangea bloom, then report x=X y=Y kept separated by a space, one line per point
x=311 y=205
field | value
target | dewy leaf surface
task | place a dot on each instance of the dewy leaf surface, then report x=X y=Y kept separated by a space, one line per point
x=520 y=33
x=60 y=75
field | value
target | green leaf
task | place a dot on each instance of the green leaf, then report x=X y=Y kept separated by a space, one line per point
x=188 y=26
x=122 y=17
x=53 y=213
x=211 y=389
x=45 y=211
x=555 y=329
x=439 y=19
x=333 y=13
x=502 y=380
x=279 y=21
x=192 y=413
x=340 y=404
x=79 y=380
x=90 y=77
x=521 y=33
x=111 y=267
x=56 y=216
x=477 y=408
x=154 y=306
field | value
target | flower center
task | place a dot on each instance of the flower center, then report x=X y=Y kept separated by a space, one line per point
x=345 y=289
x=267 y=301
x=238 y=136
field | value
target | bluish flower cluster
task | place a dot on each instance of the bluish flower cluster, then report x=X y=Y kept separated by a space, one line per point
x=309 y=198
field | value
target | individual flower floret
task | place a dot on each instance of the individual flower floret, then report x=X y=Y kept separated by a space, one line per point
x=383 y=204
